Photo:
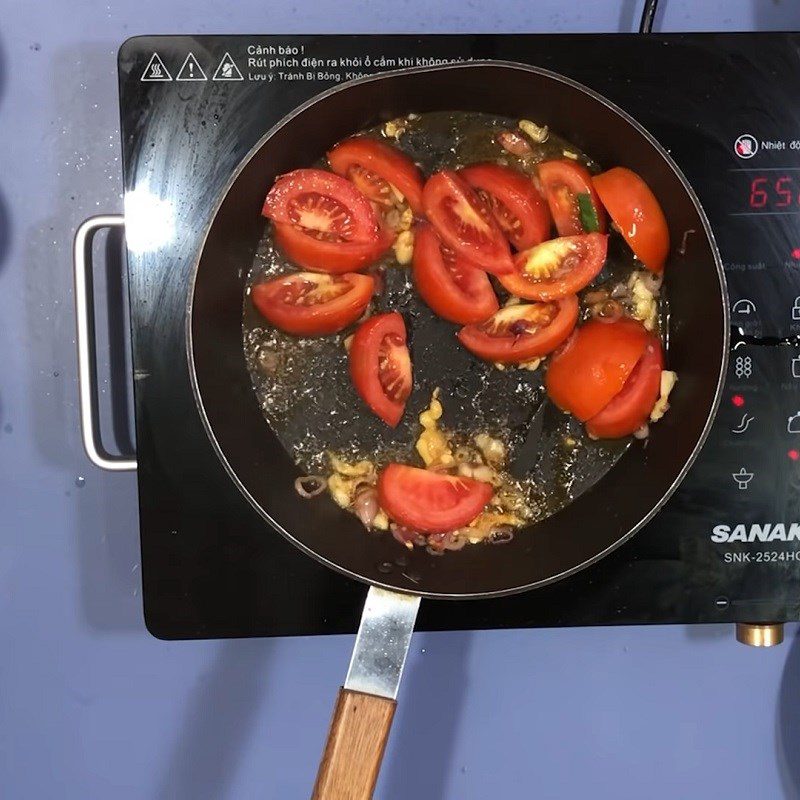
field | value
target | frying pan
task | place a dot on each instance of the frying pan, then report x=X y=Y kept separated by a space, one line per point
x=606 y=514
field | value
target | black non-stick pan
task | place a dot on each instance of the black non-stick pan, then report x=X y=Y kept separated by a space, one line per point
x=605 y=515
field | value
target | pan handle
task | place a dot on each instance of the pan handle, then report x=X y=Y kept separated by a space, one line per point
x=354 y=750
x=87 y=362
x=365 y=707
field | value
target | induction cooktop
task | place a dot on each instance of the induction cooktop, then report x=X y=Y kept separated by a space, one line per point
x=727 y=545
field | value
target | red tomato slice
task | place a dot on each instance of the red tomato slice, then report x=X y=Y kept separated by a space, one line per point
x=323 y=222
x=448 y=283
x=636 y=213
x=309 y=304
x=515 y=203
x=430 y=502
x=464 y=223
x=572 y=198
x=324 y=205
x=522 y=332
x=557 y=268
x=630 y=409
x=594 y=364
x=380 y=366
x=322 y=255
x=375 y=167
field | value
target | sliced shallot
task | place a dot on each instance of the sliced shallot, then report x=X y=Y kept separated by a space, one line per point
x=308 y=486
x=514 y=143
x=365 y=505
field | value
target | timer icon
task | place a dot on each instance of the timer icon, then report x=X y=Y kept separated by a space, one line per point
x=745 y=146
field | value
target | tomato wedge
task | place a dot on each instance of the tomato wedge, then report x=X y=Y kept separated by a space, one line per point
x=376 y=168
x=322 y=255
x=310 y=304
x=430 y=502
x=636 y=212
x=380 y=366
x=522 y=332
x=518 y=208
x=455 y=289
x=322 y=222
x=572 y=198
x=464 y=223
x=592 y=367
x=631 y=407
x=558 y=267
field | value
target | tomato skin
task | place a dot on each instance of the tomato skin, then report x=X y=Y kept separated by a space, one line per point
x=430 y=502
x=460 y=292
x=464 y=223
x=506 y=347
x=512 y=197
x=593 y=365
x=380 y=366
x=308 y=304
x=562 y=181
x=637 y=213
x=382 y=160
x=320 y=255
x=630 y=408
x=586 y=260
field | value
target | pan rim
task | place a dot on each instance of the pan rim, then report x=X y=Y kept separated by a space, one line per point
x=477 y=63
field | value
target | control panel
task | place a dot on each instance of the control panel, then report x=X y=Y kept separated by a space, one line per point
x=759 y=237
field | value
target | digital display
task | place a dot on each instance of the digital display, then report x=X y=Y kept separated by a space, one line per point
x=767 y=191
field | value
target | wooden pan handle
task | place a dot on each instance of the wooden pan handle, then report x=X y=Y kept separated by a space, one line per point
x=354 y=750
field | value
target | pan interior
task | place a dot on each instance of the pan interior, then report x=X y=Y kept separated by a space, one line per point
x=606 y=513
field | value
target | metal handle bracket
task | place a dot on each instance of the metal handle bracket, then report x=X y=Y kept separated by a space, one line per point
x=87 y=362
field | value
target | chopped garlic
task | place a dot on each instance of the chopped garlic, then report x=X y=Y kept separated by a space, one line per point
x=645 y=302
x=406 y=218
x=404 y=247
x=346 y=478
x=348 y=342
x=433 y=445
x=531 y=365
x=394 y=128
x=538 y=133
x=360 y=469
x=341 y=489
x=570 y=154
x=493 y=450
x=668 y=381
x=480 y=472
x=381 y=521
x=400 y=218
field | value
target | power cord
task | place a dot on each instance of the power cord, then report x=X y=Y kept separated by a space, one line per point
x=648 y=14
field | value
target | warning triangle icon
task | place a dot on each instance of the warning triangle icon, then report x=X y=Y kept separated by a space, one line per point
x=227 y=70
x=191 y=70
x=155 y=70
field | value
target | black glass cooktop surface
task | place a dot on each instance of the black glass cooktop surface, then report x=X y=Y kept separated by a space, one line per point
x=727 y=545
